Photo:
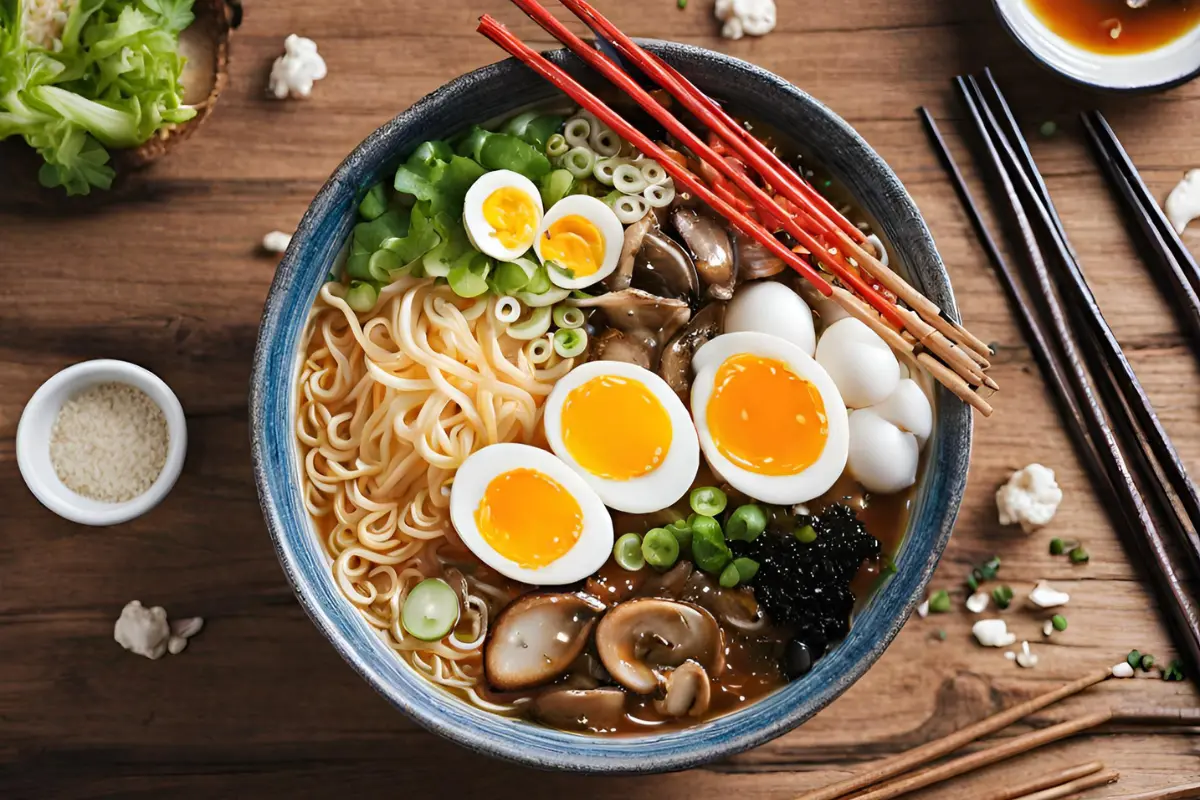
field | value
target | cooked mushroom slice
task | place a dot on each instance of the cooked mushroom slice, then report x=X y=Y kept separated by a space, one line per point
x=754 y=261
x=638 y=638
x=711 y=250
x=634 y=236
x=662 y=267
x=669 y=584
x=615 y=345
x=734 y=607
x=687 y=692
x=537 y=637
x=649 y=320
x=676 y=364
x=581 y=709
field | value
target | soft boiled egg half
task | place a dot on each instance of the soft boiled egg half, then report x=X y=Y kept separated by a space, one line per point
x=771 y=421
x=625 y=432
x=502 y=213
x=580 y=241
x=526 y=515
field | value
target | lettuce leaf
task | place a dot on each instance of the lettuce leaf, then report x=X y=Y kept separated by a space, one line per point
x=114 y=82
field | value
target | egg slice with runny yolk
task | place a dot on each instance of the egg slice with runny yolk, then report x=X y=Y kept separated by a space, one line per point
x=528 y=517
x=582 y=237
x=512 y=215
x=575 y=245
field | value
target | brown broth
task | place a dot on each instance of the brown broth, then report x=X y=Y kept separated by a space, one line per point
x=1112 y=27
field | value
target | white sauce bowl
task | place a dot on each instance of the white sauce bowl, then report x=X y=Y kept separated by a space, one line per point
x=1170 y=65
x=37 y=423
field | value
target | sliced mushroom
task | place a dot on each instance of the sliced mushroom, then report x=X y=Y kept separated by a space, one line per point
x=711 y=250
x=634 y=236
x=615 y=345
x=638 y=638
x=662 y=267
x=754 y=261
x=675 y=366
x=737 y=608
x=581 y=709
x=688 y=692
x=669 y=584
x=537 y=637
x=648 y=320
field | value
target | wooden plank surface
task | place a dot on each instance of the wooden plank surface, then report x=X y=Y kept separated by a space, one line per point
x=260 y=705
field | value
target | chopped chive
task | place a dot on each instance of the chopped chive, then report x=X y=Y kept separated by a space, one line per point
x=989 y=568
x=1048 y=128
x=941 y=635
x=1059 y=622
x=939 y=601
x=1174 y=671
x=1134 y=659
x=807 y=534
x=1003 y=596
x=972 y=582
x=1056 y=546
x=1147 y=662
x=1078 y=555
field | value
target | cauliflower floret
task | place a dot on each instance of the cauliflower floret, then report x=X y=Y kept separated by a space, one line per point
x=993 y=633
x=294 y=72
x=741 y=17
x=143 y=630
x=1030 y=498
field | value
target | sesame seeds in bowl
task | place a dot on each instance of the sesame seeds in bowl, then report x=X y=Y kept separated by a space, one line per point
x=101 y=442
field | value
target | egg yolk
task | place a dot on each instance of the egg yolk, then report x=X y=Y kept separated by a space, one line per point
x=635 y=446
x=765 y=418
x=512 y=215
x=529 y=518
x=575 y=244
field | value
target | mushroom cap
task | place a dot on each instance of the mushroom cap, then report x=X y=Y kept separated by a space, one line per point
x=711 y=249
x=600 y=709
x=688 y=691
x=537 y=637
x=675 y=367
x=638 y=638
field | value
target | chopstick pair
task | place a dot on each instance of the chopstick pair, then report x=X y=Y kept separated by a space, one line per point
x=1065 y=344
x=954 y=356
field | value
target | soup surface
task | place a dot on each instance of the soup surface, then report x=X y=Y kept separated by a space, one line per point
x=1111 y=26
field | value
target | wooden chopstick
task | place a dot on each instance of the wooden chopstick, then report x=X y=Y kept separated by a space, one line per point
x=931 y=751
x=1047 y=781
x=1140 y=530
x=1073 y=788
x=1184 y=791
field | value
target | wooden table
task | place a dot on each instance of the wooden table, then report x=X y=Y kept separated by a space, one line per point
x=260 y=704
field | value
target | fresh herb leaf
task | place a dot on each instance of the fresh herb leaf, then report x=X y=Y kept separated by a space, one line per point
x=174 y=15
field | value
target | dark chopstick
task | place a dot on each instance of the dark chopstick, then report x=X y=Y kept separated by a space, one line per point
x=1172 y=265
x=1109 y=363
x=1139 y=531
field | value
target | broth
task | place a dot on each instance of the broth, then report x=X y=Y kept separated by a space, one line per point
x=1112 y=27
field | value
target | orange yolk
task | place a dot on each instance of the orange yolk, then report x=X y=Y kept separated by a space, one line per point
x=529 y=518
x=765 y=418
x=574 y=243
x=512 y=215
x=635 y=447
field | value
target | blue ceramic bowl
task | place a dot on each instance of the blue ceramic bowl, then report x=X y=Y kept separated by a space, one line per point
x=477 y=97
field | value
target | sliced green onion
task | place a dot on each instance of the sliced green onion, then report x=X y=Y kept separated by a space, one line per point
x=1056 y=546
x=382 y=263
x=430 y=610
x=729 y=576
x=1003 y=595
x=361 y=296
x=507 y=310
x=568 y=316
x=1059 y=622
x=541 y=128
x=1078 y=555
x=579 y=161
x=629 y=208
x=1134 y=659
x=576 y=131
x=708 y=501
x=660 y=548
x=570 y=342
x=806 y=534
x=747 y=568
x=653 y=172
x=374 y=203
x=746 y=523
x=709 y=550
x=1147 y=661
x=629 y=179
x=604 y=141
x=939 y=601
x=538 y=351
x=659 y=196
x=627 y=552
x=556 y=186
x=557 y=146
x=543 y=299
x=533 y=327
x=683 y=534
x=603 y=171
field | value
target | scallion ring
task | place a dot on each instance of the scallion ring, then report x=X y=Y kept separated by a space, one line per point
x=604 y=141
x=659 y=196
x=543 y=299
x=707 y=501
x=627 y=552
x=538 y=350
x=579 y=162
x=628 y=178
x=630 y=208
x=430 y=610
x=576 y=132
x=653 y=172
x=507 y=310
x=603 y=171
x=362 y=296
x=534 y=326
x=557 y=146
x=568 y=316
x=569 y=342
x=660 y=548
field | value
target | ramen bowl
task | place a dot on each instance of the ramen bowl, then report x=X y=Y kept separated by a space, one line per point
x=490 y=93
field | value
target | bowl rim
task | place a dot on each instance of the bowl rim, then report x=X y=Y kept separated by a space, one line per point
x=1033 y=51
x=273 y=386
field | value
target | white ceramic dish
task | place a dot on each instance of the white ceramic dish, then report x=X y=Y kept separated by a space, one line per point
x=37 y=422
x=1170 y=65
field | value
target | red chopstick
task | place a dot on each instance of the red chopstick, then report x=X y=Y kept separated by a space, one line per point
x=601 y=64
x=493 y=30
x=782 y=177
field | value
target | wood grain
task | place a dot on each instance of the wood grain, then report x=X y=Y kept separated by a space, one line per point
x=167 y=274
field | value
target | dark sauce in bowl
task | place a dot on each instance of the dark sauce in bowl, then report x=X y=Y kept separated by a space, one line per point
x=1112 y=27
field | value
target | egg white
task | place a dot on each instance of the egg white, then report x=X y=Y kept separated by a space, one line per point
x=645 y=493
x=883 y=458
x=814 y=480
x=480 y=231
x=860 y=362
x=605 y=220
x=771 y=307
x=470 y=483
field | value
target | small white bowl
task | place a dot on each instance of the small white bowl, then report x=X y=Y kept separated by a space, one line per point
x=1170 y=65
x=37 y=422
